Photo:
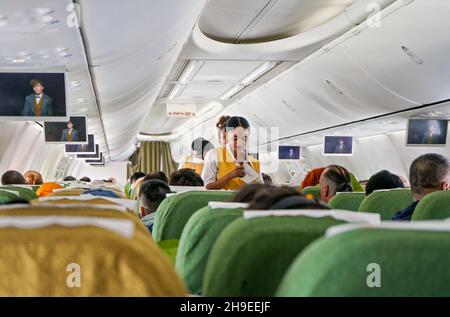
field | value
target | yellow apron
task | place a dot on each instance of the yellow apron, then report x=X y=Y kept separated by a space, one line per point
x=197 y=166
x=227 y=165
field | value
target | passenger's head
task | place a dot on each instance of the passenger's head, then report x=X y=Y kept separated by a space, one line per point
x=13 y=178
x=69 y=179
x=283 y=198
x=333 y=180
x=267 y=179
x=221 y=125
x=136 y=176
x=185 y=177
x=157 y=175
x=313 y=177
x=85 y=179
x=429 y=173
x=238 y=131
x=201 y=146
x=383 y=180
x=151 y=194
x=33 y=178
x=247 y=193
x=38 y=86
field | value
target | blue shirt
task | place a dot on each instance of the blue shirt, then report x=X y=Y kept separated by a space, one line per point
x=406 y=213
x=148 y=221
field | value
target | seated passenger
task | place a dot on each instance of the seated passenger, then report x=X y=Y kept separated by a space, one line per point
x=334 y=179
x=200 y=147
x=69 y=179
x=231 y=167
x=101 y=193
x=383 y=180
x=12 y=178
x=284 y=198
x=33 y=178
x=135 y=177
x=185 y=177
x=157 y=175
x=133 y=189
x=47 y=188
x=247 y=193
x=428 y=173
x=85 y=179
x=312 y=178
x=151 y=194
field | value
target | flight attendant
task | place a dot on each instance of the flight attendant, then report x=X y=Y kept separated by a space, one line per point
x=200 y=147
x=230 y=166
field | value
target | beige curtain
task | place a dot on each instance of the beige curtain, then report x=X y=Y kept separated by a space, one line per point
x=151 y=157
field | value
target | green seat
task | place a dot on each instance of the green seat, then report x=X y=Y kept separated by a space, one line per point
x=24 y=193
x=7 y=197
x=355 y=184
x=387 y=202
x=433 y=206
x=252 y=255
x=175 y=211
x=347 y=201
x=197 y=240
x=411 y=263
x=313 y=190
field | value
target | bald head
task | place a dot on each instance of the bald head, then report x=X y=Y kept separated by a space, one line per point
x=13 y=178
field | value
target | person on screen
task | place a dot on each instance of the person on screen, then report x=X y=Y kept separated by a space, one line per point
x=70 y=134
x=37 y=104
x=291 y=153
x=433 y=133
x=340 y=148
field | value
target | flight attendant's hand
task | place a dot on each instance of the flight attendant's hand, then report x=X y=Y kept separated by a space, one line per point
x=238 y=172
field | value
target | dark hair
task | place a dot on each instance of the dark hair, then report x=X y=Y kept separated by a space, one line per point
x=266 y=178
x=200 y=145
x=283 y=198
x=427 y=172
x=136 y=176
x=235 y=122
x=36 y=81
x=157 y=175
x=185 y=177
x=339 y=178
x=247 y=193
x=69 y=179
x=85 y=179
x=383 y=180
x=12 y=178
x=221 y=124
x=152 y=193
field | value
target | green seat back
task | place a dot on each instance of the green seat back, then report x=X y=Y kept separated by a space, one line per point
x=433 y=206
x=175 y=211
x=313 y=190
x=7 y=197
x=347 y=201
x=24 y=193
x=387 y=202
x=411 y=263
x=197 y=240
x=251 y=256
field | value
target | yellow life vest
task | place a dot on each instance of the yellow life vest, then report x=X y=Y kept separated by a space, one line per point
x=227 y=165
x=197 y=166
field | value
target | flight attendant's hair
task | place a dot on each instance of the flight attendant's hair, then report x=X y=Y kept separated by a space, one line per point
x=200 y=145
x=235 y=122
x=221 y=124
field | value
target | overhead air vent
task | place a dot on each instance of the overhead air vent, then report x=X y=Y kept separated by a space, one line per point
x=412 y=55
